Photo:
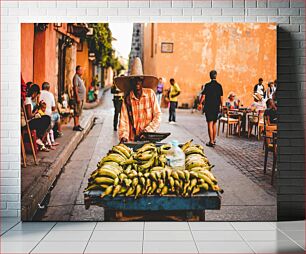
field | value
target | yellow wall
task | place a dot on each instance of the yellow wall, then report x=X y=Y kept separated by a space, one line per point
x=241 y=53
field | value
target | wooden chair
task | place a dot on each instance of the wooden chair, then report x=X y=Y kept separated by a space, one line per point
x=270 y=143
x=256 y=119
x=29 y=134
x=231 y=119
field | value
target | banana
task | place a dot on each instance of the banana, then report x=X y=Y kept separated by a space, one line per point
x=122 y=190
x=130 y=191
x=206 y=179
x=138 y=190
x=168 y=171
x=193 y=174
x=193 y=150
x=171 y=182
x=128 y=169
x=164 y=149
x=153 y=175
x=149 y=190
x=187 y=175
x=146 y=147
x=116 y=181
x=194 y=164
x=131 y=160
x=161 y=184
x=210 y=175
x=142 y=181
x=158 y=174
x=193 y=182
x=148 y=164
x=116 y=190
x=104 y=180
x=127 y=182
x=204 y=186
x=127 y=149
x=175 y=175
x=107 y=191
x=154 y=187
x=163 y=174
x=181 y=174
x=104 y=186
x=156 y=169
x=148 y=183
x=122 y=176
x=146 y=175
x=117 y=150
x=164 y=190
x=114 y=157
x=124 y=150
x=144 y=156
x=195 y=190
x=144 y=191
x=135 y=181
x=107 y=173
x=186 y=145
x=92 y=187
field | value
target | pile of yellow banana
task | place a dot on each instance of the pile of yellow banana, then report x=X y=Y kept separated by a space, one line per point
x=144 y=172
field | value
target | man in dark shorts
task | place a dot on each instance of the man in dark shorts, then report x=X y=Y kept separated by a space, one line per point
x=212 y=96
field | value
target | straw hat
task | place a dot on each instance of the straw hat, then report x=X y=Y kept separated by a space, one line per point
x=124 y=83
x=231 y=94
x=257 y=96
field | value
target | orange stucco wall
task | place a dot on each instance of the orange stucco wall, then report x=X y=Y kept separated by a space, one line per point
x=45 y=59
x=27 y=41
x=241 y=53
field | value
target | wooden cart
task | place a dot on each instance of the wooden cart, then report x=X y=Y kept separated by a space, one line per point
x=152 y=207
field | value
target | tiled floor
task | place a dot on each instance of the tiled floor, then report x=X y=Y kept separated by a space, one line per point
x=152 y=237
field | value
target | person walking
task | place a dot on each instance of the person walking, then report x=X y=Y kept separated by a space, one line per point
x=117 y=101
x=174 y=93
x=160 y=89
x=79 y=94
x=212 y=96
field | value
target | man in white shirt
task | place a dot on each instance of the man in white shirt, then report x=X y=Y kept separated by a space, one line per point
x=48 y=98
x=259 y=88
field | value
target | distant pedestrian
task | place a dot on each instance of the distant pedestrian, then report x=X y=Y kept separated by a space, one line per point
x=212 y=96
x=270 y=90
x=117 y=100
x=259 y=88
x=174 y=93
x=160 y=89
x=79 y=94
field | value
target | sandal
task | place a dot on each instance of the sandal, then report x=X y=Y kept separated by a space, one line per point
x=55 y=144
x=210 y=144
x=43 y=149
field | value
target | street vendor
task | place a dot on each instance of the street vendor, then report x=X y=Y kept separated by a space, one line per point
x=140 y=110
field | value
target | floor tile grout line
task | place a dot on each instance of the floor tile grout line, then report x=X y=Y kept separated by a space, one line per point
x=42 y=238
x=247 y=243
x=90 y=237
x=10 y=229
x=143 y=232
x=195 y=243
x=291 y=238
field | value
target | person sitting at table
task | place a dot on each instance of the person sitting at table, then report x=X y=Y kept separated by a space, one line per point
x=271 y=115
x=231 y=103
x=258 y=103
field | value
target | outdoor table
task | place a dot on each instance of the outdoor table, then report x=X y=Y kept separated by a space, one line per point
x=194 y=205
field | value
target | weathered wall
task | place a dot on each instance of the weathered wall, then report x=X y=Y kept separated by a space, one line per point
x=45 y=59
x=27 y=42
x=82 y=60
x=241 y=53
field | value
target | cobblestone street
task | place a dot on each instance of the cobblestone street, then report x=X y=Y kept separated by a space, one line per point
x=238 y=167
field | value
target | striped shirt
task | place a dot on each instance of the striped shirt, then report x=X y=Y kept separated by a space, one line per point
x=146 y=115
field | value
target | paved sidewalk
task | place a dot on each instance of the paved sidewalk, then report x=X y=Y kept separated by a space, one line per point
x=37 y=179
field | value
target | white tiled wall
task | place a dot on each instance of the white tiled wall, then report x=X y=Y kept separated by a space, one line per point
x=288 y=13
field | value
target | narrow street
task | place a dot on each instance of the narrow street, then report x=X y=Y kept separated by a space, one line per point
x=248 y=195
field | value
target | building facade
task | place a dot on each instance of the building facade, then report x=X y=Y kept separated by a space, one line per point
x=241 y=54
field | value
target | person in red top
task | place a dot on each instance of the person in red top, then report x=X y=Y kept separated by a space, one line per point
x=140 y=110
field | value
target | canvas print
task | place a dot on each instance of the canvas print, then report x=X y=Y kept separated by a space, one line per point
x=148 y=121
